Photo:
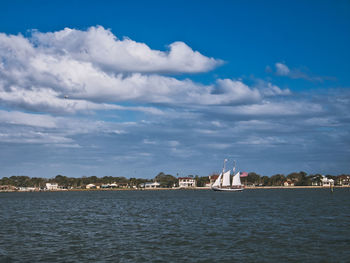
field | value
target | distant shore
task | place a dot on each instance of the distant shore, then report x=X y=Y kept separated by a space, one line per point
x=192 y=188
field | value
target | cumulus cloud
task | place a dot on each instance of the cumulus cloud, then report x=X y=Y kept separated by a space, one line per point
x=273 y=90
x=282 y=69
x=73 y=70
x=101 y=47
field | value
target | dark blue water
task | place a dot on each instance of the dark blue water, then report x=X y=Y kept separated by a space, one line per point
x=304 y=225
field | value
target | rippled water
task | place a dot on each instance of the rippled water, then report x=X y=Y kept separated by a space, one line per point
x=309 y=225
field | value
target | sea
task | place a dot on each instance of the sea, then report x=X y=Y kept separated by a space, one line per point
x=262 y=225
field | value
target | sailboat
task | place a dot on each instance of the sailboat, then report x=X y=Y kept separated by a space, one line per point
x=223 y=182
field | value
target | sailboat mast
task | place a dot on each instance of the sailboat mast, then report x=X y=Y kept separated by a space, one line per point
x=223 y=171
x=223 y=168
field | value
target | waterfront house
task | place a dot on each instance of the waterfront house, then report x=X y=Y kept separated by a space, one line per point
x=52 y=187
x=150 y=185
x=288 y=183
x=321 y=180
x=27 y=189
x=187 y=182
x=90 y=186
x=327 y=182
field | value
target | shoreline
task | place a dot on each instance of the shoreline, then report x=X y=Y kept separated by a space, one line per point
x=162 y=189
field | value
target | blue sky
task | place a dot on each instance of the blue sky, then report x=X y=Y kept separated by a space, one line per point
x=133 y=88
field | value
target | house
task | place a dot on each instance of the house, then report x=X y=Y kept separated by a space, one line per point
x=90 y=186
x=27 y=189
x=52 y=187
x=150 y=185
x=327 y=182
x=288 y=183
x=187 y=182
x=321 y=180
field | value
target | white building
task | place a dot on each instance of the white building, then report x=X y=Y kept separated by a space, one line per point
x=327 y=182
x=187 y=182
x=90 y=186
x=151 y=185
x=50 y=186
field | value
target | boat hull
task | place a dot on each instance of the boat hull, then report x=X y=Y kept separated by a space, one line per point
x=227 y=189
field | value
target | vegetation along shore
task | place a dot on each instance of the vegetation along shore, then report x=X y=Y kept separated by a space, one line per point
x=166 y=181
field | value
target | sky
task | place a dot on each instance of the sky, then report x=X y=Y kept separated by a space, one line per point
x=134 y=88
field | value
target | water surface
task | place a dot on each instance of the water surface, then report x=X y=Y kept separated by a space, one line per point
x=275 y=225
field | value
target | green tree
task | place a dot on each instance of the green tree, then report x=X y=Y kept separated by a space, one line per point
x=277 y=179
x=202 y=180
x=165 y=180
x=265 y=180
x=253 y=178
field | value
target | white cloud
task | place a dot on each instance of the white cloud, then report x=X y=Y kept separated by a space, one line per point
x=218 y=146
x=268 y=108
x=267 y=141
x=20 y=118
x=72 y=70
x=282 y=69
x=273 y=90
x=34 y=137
x=101 y=47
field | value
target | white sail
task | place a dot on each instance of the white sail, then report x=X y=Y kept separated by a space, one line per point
x=217 y=182
x=226 y=179
x=236 y=180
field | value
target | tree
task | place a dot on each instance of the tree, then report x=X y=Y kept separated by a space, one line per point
x=202 y=181
x=299 y=179
x=253 y=178
x=165 y=180
x=277 y=179
x=265 y=180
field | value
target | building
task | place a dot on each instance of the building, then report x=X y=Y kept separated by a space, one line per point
x=27 y=189
x=327 y=182
x=321 y=180
x=288 y=183
x=187 y=182
x=53 y=187
x=150 y=185
x=90 y=186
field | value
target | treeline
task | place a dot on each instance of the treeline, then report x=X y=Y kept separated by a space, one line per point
x=67 y=182
x=165 y=180
x=298 y=179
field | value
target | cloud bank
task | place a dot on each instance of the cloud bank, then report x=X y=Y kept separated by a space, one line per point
x=73 y=70
x=110 y=99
